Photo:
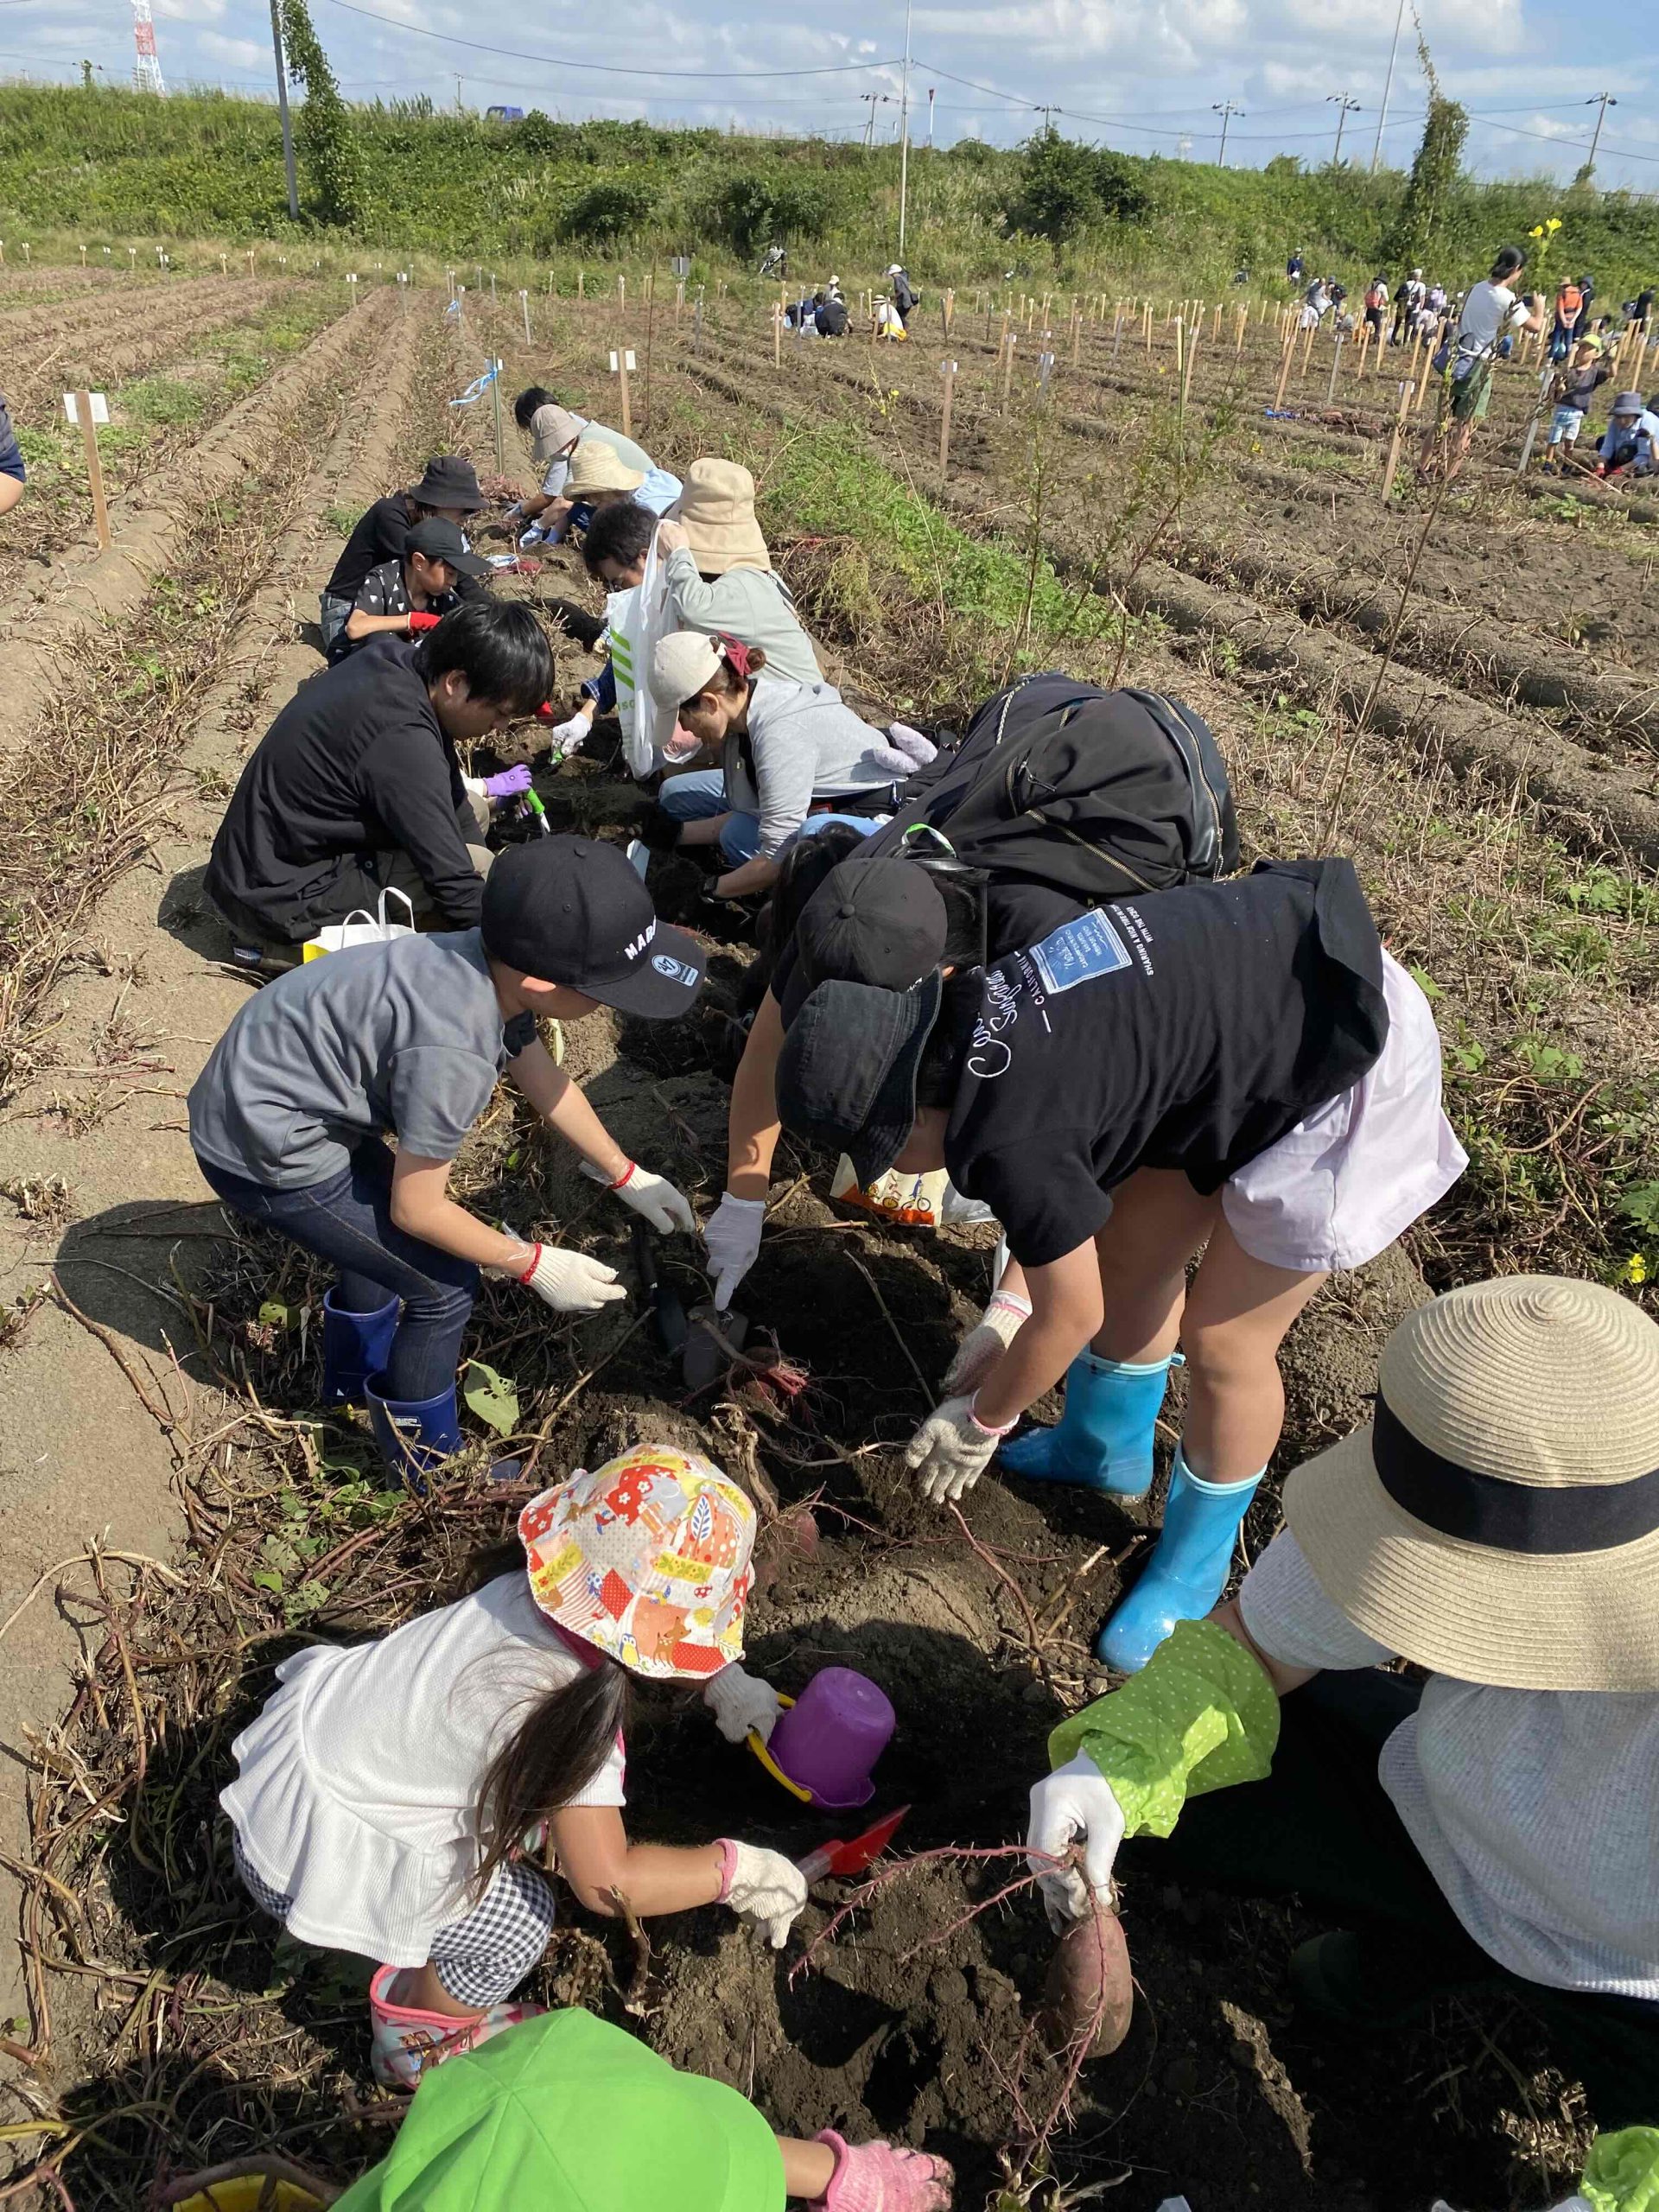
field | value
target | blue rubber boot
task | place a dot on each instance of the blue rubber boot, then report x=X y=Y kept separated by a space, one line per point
x=415 y=1436
x=355 y=1346
x=1102 y=1440
x=1187 y=1570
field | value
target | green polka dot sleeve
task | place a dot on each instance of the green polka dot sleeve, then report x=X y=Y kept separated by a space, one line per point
x=1622 y=2172
x=1200 y=1715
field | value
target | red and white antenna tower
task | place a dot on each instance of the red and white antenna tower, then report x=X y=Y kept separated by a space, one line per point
x=147 y=70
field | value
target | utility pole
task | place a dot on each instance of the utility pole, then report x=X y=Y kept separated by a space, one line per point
x=870 y=100
x=904 y=136
x=1346 y=105
x=930 y=118
x=282 y=105
x=1606 y=100
x=1226 y=109
x=1388 y=86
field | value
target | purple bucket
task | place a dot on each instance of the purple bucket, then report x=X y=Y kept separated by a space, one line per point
x=828 y=1742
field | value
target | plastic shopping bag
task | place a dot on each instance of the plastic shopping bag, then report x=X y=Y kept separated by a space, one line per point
x=362 y=928
x=636 y=619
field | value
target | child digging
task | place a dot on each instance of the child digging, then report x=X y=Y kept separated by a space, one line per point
x=390 y=1794
x=1234 y=1065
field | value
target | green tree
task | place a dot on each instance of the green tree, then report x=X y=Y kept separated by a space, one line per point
x=323 y=132
x=1422 y=221
x=613 y=208
x=1062 y=186
x=752 y=210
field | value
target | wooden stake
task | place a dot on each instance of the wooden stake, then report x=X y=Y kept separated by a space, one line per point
x=679 y=300
x=1307 y=349
x=94 y=468
x=1186 y=378
x=622 y=373
x=1394 y=436
x=777 y=338
x=1422 y=382
x=651 y=319
x=948 y=371
x=1335 y=363
x=948 y=307
x=1286 y=355
x=1146 y=327
x=1238 y=335
x=1007 y=366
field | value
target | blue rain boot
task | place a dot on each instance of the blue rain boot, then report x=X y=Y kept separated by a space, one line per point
x=355 y=1346
x=1102 y=1440
x=414 y=1435
x=1187 y=1570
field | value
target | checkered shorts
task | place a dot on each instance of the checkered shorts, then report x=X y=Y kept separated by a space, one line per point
x=480 y=1958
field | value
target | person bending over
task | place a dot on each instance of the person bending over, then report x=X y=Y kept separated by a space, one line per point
x=356 y=789
x=449 y=487
x=406 y=1039
x=402 y=598
x=1238 y=1065
x=719 y=579
x=1491 y=1817
x=555 y=432
x=786 y=751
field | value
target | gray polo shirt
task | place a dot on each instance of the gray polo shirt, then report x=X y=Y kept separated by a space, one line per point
x=406 y=1038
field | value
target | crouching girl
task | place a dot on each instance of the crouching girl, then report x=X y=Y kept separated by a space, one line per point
x=1492 y=1817
x=390 y=1797
x=1237 y=1065
x=786 y=751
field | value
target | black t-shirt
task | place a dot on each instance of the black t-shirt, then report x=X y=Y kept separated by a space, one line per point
x=1187 y=1029
x=380 y=535
x=832 y=319
x=355 y=767
x=384 y=591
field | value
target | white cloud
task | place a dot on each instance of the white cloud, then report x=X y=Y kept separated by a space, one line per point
x=235 y=53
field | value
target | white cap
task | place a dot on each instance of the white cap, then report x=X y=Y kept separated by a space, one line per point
x=895 y=270
x=683 y=663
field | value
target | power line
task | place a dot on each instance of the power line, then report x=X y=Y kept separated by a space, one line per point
x=605 y=68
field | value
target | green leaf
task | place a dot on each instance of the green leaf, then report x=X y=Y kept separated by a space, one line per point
x=278 y=1315
x=1424 y=982
x=493 y=1397
x=262 y=1579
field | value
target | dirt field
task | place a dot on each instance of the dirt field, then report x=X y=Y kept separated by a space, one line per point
x=1484 y=746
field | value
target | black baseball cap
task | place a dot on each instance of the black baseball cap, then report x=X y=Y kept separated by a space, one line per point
x=568 y=910
x=870 y=921
x=451 y=482
x=847 y=1074
x=441 y=540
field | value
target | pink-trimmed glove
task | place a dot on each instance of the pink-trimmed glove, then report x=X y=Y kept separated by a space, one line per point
x=508 y=784
x=883 y=2178
x=764 y=1888
x=951 y=1450
x=986 y=1341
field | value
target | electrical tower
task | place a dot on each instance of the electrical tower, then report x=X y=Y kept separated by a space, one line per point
x=146 y=69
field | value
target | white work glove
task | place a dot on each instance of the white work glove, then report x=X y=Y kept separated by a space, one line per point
x=950 y=1451
x=740 y=1702
x=663 y=1206
x=512 y=513
x=986 y=1341
x=732 y=1234
x=570 y=736
x=767 y=1890
x=1074 y=1802
x=571 y=1283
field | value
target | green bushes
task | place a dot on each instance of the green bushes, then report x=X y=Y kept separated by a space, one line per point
x=614 y=209
x=1061 y=187
x=753 y=210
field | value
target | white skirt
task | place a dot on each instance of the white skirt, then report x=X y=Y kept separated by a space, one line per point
x=1341 y=1185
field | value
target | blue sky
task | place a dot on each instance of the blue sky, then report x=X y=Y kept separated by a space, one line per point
x=1141 y=74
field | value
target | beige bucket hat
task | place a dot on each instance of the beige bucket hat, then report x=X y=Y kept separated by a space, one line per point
x=1498 y=1521
x=597 y=466
x=717 y=511
x=551 y=429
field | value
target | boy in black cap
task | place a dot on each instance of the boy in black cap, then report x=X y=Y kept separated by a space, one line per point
x=355 y=789
x=407 y=1039
x=405 y=596
x=449 y=487
x=1234 y=1065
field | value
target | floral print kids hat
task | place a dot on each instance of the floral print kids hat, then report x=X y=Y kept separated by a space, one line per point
x=647 y=1559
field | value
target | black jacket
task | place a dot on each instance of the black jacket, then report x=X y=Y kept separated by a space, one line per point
x=379 y=536
x=355 y=767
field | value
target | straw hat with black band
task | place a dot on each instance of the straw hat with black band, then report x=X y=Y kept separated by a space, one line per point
x=1498 y=1522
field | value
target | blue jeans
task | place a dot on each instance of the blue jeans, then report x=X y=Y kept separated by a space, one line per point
x=347 y=1221
x=699 y=795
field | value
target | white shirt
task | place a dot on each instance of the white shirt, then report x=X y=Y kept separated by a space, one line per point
x=356 y=1795
x=1487 y=313
x=1536 y=1811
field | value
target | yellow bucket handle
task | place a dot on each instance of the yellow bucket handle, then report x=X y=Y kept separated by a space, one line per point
x=771 y=1764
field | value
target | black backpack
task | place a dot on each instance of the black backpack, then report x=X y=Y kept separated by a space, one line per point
x=1097 y=794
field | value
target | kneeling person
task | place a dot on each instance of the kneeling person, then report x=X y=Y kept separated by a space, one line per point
x=356 y=788
x=403 y=597
x=287 y=1118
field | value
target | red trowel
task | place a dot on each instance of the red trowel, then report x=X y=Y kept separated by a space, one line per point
x=838 y=1857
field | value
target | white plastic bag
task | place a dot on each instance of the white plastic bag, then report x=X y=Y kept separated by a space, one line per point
x=362 y=928
x=636 y=619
